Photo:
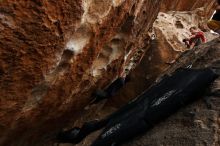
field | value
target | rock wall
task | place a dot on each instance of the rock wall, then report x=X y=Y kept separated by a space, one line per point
x=198 y=123
x=54 y=54
x=187 y=5
x=166 y=46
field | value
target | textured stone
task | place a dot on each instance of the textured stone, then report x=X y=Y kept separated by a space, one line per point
x=187 y=5
x=196 y=124
x=55 y=53
x=166 y=46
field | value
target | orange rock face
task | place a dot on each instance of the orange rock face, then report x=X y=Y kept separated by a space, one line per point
x=55 y=53
x=186 y=5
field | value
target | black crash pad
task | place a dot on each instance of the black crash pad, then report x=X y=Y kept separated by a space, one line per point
x=143 y=113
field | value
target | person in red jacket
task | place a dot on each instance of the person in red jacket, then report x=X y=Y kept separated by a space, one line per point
x=195 y=39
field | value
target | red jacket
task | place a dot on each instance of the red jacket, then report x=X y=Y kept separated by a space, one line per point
x=201 y=36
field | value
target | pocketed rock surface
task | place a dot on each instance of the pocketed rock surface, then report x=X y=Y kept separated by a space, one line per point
x=54 y=54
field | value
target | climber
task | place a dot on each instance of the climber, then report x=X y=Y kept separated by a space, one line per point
x=112 y=89
x=214 y=23
x=195 y=39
